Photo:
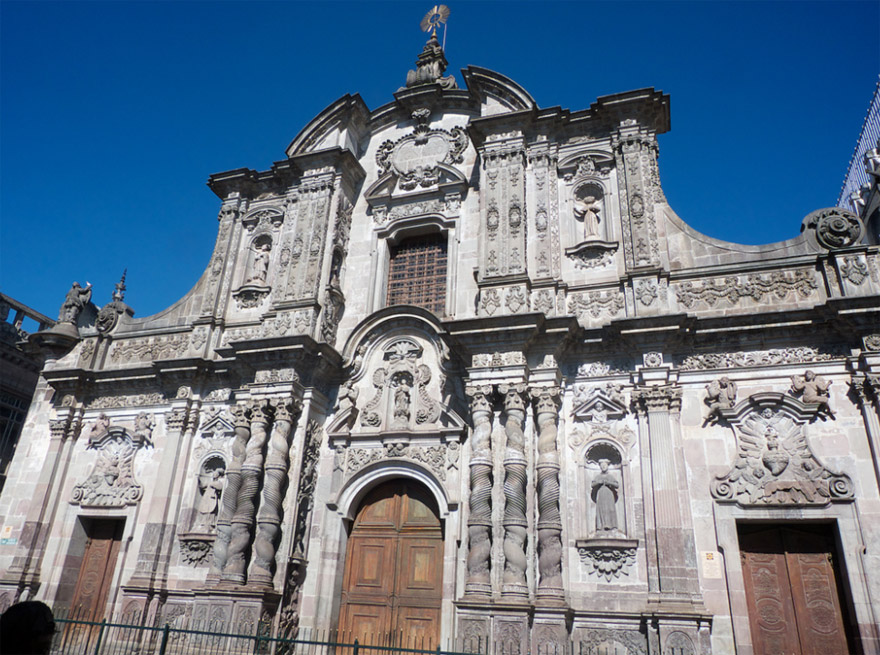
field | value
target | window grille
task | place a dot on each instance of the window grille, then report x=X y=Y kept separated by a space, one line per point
x=417 y=273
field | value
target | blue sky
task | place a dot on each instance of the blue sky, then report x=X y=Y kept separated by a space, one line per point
x=113 y=114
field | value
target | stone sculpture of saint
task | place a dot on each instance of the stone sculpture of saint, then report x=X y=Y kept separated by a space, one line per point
x=605 y=496
x=586 y=209
x=260 y=266
x=211 y=486
x=77 y=298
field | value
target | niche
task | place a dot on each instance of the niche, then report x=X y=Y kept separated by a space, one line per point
x=606 y=517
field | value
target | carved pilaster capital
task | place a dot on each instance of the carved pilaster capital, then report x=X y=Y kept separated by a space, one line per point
x=287 y=409
x=546 y=399
x=865 y=387
x=663 y=398
x=176 y=419
x=261 y=411
x=514 y=396
x=480 y=398
x=58 y=428
x=240 y=417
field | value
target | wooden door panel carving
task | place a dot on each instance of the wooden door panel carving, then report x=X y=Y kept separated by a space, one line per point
x=793 y=592
x=98 y=564
x=394 y=569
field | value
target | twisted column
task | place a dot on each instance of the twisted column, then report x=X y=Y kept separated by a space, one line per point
x=243 y=519
x=480 y=519
x=515 y=523
x=269 y=520
x=241 y=421
x=546 y=401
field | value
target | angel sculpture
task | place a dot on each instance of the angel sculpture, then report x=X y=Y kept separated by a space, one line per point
x=720 y=394
x=813 y=390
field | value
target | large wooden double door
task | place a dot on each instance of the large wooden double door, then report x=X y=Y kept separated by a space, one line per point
x=793 y=588
x=394 y=569
x=103 y=539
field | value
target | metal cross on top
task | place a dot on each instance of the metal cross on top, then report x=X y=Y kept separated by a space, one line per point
x=434 y=18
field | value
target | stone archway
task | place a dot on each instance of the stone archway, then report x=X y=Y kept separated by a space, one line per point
x=392 y=587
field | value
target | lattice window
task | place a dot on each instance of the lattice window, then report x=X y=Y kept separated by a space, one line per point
x=417 y=274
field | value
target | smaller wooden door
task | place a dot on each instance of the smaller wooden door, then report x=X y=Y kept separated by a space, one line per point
x=793 y=590
x=103 y=538
x=392 y=587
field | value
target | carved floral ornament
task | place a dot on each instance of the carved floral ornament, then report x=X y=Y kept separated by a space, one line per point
x=774 y=464
x=834 y=227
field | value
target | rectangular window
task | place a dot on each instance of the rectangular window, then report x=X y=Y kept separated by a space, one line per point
x=417 y=273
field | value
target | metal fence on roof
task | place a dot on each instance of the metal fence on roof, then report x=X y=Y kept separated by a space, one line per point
x=856 y=177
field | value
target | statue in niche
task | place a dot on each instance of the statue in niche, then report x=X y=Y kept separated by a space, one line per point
x=402 y=399
x=211 y=483
x=813 y=389
x=77 y=298
x=604 y=494
x=260 y=264
x=720 y=394
x=335 y=269
x=587 y=205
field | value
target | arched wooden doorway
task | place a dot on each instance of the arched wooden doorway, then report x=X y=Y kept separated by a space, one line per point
x=392 y=588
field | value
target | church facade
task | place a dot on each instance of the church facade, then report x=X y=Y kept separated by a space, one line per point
x=457 y=372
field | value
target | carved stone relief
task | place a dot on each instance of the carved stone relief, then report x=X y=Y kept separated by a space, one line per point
x=593 y=304
x=112 y=482
x=774 y=463
x=854 y=269
x=149 y=348
x=779 y=285
x=720 y=394
x=599 y=641
x=797 y=355
x=834 y=227
x=433 y=457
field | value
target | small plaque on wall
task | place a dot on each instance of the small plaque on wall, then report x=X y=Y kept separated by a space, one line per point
x=710 y=561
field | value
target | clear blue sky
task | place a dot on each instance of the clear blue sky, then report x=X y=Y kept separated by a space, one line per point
x=112 y=115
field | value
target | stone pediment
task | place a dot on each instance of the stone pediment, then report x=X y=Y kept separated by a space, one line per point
x=601 y=405
x=216 y=425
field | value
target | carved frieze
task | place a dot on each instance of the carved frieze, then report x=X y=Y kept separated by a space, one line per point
x=433 y=457
x=774 y=464
x=798 y=284
x=599 y=369
x=133 y=400
x=268 y=376
x=747 y=359
x=149 y=348
x=599 y=641
x=593 y=304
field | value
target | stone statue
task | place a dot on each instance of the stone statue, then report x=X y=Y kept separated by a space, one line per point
x=260 y=265
x=143 y=426
x=401 y=406
x=77 y=298
x=587 y=209
x=605 y=496
x=347 y=397
x=814 y=389
x=102 y=424
x=210 y=486
x=720 y=394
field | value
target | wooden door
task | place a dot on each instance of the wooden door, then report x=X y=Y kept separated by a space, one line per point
x=393 y=580
x=103 y=538
x=793 y=589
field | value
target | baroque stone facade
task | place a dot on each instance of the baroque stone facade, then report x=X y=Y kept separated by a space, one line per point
x=606 y=406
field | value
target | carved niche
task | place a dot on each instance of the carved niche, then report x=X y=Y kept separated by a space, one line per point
x=401 y=400
x=774 y=464
x=255 y=288
x=112 y=481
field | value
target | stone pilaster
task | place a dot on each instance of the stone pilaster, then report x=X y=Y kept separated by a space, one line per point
x=229 y=213
x=550 y=588
x=310 y=204
x=515 y=521
x=866 y=389
x=24 y=572
x=241 y=420
x=503 y=209
x=668 y=526
x=276 y=471
x=635 y=152
x=543 y=204
x=478 y=581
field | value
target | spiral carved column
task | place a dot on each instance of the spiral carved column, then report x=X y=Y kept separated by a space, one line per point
x=243 y=519
x=515 y=522
x=241 y=421
x=269 y=519
x=480 y=519
x=546 y=400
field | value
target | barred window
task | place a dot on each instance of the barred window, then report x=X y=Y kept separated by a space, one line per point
x=417 y=273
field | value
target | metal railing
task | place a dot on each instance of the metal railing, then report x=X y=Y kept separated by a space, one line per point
x=79 y=636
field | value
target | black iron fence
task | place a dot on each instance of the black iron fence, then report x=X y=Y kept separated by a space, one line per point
x=78 y=636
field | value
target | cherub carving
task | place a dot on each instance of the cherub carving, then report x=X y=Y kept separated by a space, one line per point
x=143 y=426
x=102 y=424
x=720 y=394
x=813 y=390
